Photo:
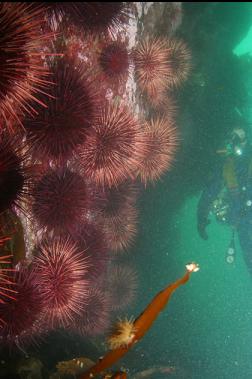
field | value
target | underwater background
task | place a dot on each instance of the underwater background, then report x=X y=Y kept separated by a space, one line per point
x=206 y=329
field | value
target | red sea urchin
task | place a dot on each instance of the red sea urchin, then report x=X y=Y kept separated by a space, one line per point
x=22 y=72
x=20 y=314
x=162 y=141
x=180 y=62
x=163 y=103
x=152 y=65
x=122 y=285
x=120 y=229
x=60 y=273
x=95 y=17
x=102 y=16
x=113 y=148
x=60 y=201
x=114 y=61
x=92 y=242
x=94 y=317
x=57 y=131
x=15 y=177
x=118 y=198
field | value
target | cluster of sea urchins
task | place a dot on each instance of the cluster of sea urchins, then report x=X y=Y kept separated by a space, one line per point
x=74 y=165
x=55 y=102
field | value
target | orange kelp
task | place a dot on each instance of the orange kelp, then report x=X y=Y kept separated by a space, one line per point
x=140 y=325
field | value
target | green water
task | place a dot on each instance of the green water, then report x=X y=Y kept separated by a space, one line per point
x=215 y=326
x=206 y=329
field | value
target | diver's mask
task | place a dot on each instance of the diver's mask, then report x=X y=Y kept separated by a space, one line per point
x=236 y=144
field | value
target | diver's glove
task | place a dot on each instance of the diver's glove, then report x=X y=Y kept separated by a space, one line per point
x=202 y=224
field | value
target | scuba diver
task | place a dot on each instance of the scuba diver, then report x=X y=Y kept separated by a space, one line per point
x=229 y=195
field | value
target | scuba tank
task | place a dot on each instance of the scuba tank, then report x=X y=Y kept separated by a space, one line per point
x=231 y=251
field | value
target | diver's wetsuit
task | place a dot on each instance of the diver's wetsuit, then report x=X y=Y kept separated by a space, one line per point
x=240 y=209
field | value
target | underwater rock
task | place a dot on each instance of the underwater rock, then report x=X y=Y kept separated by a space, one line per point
x=30 y=368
